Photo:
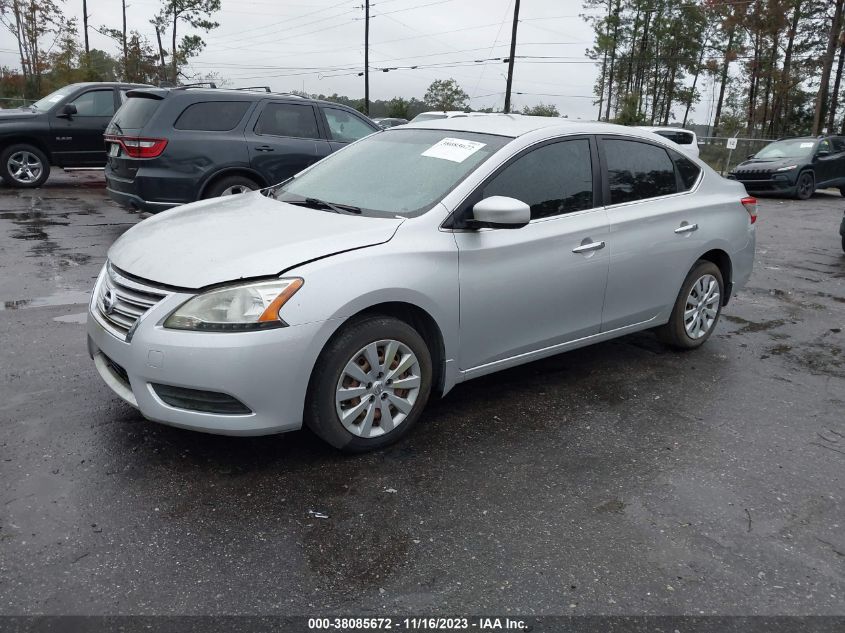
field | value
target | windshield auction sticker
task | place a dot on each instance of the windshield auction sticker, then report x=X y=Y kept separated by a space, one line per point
x=455 y=149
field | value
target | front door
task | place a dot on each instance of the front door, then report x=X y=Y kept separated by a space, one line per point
x=284 y=140
x=523 y=290
x=829 y=163
x=77 y=139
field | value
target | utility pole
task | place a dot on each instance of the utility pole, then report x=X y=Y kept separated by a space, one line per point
x=510 y=59
x=125 y=52
x=367 y=57
x=85 y=25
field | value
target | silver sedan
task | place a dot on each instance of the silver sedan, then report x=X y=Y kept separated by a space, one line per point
x=408 y=262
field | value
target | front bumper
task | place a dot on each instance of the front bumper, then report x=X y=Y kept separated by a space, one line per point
x=267 y=371
x=783 y=183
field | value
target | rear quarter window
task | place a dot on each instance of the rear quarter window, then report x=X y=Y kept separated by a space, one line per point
x=212 y=116
x=687 y=170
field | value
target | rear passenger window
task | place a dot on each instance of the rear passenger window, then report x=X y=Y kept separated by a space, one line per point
x=212 y=116
x=288 y=119
x=553 y=179
x=95 y=103
x=346 y=127
x=637 y=171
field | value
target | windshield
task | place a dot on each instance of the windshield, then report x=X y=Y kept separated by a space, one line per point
x=53 y=98
x=793 y=148
x=428 y=117
x=398 y=172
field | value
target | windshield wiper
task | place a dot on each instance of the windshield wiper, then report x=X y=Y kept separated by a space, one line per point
x=316 y=203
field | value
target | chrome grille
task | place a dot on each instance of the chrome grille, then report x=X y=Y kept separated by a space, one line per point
x=121 y=301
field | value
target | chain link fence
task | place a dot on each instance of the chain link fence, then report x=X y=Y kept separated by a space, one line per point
x=715 y=152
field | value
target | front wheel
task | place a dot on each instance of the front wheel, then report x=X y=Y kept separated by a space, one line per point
x=696 y=309
x=805 y=186
x=370 y=384
x=24 y=166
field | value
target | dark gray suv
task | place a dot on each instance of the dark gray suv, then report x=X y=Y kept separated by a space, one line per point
x=169 y=146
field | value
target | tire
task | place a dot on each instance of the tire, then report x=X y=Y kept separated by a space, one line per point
x=677 y=332
x=805 y=186
x=24 y=166
x=229 y=185
x=364 y=429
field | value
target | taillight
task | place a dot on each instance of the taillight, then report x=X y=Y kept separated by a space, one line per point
x=137 y=147
x=750 y=204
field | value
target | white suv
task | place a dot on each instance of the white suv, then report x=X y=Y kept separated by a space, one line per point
x=686 y=139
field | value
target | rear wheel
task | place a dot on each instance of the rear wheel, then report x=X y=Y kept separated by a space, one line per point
x=231 y=185
x=805 y=186
x=696 y=309
x=370 y=384
x=24 y=166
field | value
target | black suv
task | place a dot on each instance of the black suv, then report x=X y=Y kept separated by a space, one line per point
x=168 y=146
x=795 y=166
x=64 y=129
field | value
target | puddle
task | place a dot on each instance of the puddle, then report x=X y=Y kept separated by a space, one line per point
x=753 y=326
x=82 y=318
x=60 y=298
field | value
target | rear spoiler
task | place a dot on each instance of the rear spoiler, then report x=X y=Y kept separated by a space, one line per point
x=148 y=93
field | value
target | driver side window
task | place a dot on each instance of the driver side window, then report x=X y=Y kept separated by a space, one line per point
x=345 y=127
x=553 y=179
x=95 y=103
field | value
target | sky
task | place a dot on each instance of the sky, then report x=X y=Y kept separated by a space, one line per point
x=318 y=47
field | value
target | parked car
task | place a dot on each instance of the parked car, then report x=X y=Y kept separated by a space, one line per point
x=795 y=167
x=444 y=114
x=169 y=146
x=386 y=122
x=410 y=261
x=64 y=129
x=687 y=140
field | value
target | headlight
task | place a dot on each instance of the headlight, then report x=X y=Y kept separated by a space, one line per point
x=252 y=306
x=787 y=168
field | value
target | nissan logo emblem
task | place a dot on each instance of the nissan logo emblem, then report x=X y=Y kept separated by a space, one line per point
x=108 y=301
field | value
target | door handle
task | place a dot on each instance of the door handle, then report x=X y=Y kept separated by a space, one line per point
x=586 y=248
x=264 y=148
x=686 y=228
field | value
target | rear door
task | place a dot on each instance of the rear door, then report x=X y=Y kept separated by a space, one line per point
x=656 y=230
x=78 y=138
x=284 y=138
x=345 y=126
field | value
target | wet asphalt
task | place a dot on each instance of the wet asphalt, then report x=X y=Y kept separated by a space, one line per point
x=619 y=479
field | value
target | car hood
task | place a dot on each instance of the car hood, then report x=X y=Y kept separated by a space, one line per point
x=766 y=164
x=239 y=237
x=7 y=116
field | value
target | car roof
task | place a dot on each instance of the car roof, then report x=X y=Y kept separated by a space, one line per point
x=85 y=84
x=246 y=94
x=668 y=128
x=515 y=125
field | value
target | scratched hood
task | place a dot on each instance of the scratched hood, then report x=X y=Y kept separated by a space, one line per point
x=237 y=237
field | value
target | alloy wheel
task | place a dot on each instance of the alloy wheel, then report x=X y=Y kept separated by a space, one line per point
x=805 y=186
x=377 y=388
x=25 y=167
x=235 y=189
x=702 y=307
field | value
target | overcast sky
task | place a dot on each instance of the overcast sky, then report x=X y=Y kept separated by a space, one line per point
x=318 y=47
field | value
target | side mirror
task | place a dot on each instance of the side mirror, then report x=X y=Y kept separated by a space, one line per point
x=67 y=111
x=500 y=212
x=823 y=152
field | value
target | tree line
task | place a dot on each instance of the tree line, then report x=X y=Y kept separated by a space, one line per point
x=775 y=66
x=52 y=55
